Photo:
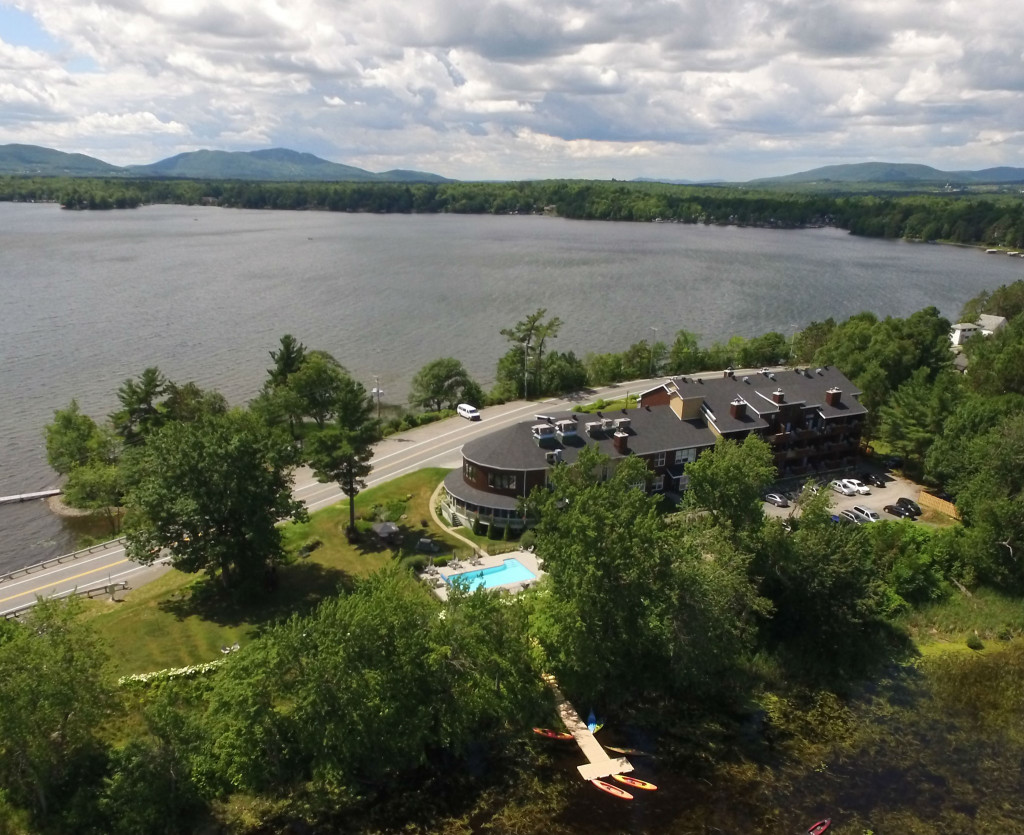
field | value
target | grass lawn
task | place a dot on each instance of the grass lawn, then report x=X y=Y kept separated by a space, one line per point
x=994 y=616
x=182 y=619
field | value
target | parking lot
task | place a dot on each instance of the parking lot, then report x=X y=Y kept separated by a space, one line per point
x=895 y=487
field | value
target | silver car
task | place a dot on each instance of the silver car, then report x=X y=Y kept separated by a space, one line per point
x=865 y=514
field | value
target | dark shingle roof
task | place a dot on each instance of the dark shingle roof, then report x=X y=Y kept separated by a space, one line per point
x=652 y=429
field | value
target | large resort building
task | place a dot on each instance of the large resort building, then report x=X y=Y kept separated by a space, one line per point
x=811 y=417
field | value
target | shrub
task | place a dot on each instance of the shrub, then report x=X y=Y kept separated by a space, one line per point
x=415 y=562
x=492 y=531
x=505 y=533
x=528 y=539
x=974 y=642
x=478 y=527
x=440 y=561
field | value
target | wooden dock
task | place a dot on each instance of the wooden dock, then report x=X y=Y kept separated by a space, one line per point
x=28 y=497
x=598 y=764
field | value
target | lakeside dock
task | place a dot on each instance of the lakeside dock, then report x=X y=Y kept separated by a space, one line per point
x=28 y=497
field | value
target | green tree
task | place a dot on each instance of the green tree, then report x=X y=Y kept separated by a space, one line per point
x=916 y=414
x=564 y=373
x=98 y=487
x=211 y=492
x=443 y=384
x=74 y=439
x=997 y=362
x=342 y=452
x=808 y=341
x=140 y=414
x=288 y=359
x=54 y=696
x=533 y=333
x=729 y=481
x=686 y=356
x=318 y=384
x=189 y=402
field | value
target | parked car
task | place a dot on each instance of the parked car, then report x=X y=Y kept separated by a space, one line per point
x=857 y=486
x=909 y=504
x=865 y=514
x=873 y=478
x=468 y=412
x=847 y=516
x=776 y=499
x=812 y=487
x=899 y=511
x=842 y=487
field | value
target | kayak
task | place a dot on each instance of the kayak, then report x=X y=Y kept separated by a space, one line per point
x=820 y=827
x=628 y=752
x=635 y=782
x=614 y=791
x=550 y=734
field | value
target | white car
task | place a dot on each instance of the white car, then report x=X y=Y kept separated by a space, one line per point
x=842 y=487
x=857 y=486
x=468 y=412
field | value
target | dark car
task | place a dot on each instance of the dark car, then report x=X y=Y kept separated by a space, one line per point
x=776 y=499
x=909 y=504
x=873 y=478
x=898 y=510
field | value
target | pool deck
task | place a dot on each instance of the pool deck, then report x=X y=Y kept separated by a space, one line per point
x=438 y=577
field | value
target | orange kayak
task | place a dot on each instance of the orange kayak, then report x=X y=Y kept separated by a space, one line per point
x=550 y=734
x=635 y=782
x=614 y=791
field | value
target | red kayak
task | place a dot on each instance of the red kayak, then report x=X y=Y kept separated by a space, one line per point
x=819 y=827
x=550 y=734
x=614 y=791
x=635 y=782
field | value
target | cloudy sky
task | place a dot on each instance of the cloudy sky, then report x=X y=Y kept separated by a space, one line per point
x=508 y=89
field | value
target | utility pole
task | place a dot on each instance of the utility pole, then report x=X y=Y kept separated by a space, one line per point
x=650 y=373
x=377 y=392
x=526 y=368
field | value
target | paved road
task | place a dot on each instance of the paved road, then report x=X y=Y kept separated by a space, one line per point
x=436 y=445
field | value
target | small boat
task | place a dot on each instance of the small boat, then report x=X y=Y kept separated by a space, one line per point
x=614 y=791
x=550 y=734
x=635 y=782
x=819 y=827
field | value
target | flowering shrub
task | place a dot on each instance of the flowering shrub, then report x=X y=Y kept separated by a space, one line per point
x=142 y=679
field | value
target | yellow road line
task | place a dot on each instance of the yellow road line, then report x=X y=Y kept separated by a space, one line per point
x=66 y=579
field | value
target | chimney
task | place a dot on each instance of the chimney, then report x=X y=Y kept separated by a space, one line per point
x=778 y=396
x=620 y=439
x=738 y=408
x=833 y=396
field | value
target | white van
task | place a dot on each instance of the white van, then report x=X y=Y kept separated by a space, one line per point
x=468 y=412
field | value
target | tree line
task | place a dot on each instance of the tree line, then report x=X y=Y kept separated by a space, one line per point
x=996 y=220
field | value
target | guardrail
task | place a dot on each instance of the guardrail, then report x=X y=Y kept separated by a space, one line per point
x=88 y=594
x=31 y=569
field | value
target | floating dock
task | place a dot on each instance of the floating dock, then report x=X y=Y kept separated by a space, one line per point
x=27 y=497
x=598 y=764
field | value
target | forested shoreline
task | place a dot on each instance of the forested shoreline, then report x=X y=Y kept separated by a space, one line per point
x=990 y=220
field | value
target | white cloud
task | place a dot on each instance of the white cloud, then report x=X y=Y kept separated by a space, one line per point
x=520 y=88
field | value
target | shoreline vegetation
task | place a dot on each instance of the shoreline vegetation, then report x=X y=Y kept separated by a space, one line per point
x=980 y=219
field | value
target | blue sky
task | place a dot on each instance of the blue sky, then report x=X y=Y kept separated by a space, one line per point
x=509 y=89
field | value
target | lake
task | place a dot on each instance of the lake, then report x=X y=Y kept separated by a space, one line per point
x=92 y=298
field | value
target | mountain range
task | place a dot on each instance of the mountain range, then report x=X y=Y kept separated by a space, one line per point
x=273 y=164
x=283 y=165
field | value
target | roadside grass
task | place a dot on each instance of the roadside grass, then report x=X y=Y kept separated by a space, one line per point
x=182 y=619
x=991 y=615
x=601 y=405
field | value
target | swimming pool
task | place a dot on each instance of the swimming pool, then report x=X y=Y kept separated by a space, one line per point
x=510 y=571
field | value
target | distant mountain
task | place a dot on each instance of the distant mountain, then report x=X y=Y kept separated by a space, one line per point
x=31 y=160
x=274 y=164
x=894 y=172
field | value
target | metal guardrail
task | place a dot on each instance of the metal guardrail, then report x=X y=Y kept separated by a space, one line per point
x=88 y=594
x=31 y=569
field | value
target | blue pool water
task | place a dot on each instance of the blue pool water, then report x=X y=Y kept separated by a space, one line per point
x=511 y=571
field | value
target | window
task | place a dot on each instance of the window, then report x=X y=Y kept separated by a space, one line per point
x=684 y=456
x=501 y=481
x=659 y=460
x=658 y=484
x=468 y=471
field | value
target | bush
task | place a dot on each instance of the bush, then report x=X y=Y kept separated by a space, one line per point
x=492 y=531
x=974 y=642
x=528 y=539
x=478 y=527
x=416 y=562
x=505 y=533
x=440 y=562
